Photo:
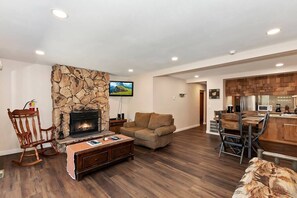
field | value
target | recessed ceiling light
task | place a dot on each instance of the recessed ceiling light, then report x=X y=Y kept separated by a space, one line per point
x=232 y=52
x=279 y=64
x=174 y=58
x=273 y=31
x=130 y=70
x=59 y=13
x=196 y=76
x=39 y=52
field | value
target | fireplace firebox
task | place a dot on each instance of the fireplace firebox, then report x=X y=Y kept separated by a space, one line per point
x=84 y=122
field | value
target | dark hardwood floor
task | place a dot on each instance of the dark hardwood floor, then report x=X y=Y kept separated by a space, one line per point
x=188 y=167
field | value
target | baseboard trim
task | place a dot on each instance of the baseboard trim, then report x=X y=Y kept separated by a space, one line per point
x=186 y=128
x=11 y=151
x=18 y=150
x=212 y=133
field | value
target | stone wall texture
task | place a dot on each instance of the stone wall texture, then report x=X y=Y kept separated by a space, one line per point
x=75 y=89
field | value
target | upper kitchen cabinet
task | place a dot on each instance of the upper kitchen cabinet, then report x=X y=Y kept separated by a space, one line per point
x=276 y=85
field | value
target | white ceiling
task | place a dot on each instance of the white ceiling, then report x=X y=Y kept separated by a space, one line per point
x=115 y=35
x=290 y=64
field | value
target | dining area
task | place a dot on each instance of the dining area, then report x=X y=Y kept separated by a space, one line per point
x=270 y=171
x=258 y=108
x=240 y=132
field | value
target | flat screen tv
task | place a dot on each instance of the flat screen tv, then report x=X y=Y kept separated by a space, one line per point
x=121 y=88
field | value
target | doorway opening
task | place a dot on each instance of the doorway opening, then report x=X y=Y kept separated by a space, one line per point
x=202 y=105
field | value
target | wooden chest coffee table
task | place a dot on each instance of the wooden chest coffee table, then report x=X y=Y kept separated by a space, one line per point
x=83 y=158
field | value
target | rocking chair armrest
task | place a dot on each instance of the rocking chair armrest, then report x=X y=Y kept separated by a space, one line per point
x=49 y=129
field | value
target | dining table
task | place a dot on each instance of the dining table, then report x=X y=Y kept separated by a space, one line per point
x=251 y=121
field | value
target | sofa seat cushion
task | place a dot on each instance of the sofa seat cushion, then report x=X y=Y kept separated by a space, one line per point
x=142 y=119
x=165 y=130
x=130 y=131
x=146 y=134
x=159 y=120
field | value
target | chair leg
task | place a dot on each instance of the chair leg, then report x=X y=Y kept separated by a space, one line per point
x=256 y=146
x=41 y=147
x=55 y=147
x=21 y=163
x=21 y=158
x=43 y=151
x=36 y=153
x=221 y=148
x=242 y=153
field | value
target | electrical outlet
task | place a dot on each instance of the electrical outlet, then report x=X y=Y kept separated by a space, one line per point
x=1 y=174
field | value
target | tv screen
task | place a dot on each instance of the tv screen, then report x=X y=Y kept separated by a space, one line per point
x=121 y=88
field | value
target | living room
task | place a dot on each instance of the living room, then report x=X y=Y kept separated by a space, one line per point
x=130 y=52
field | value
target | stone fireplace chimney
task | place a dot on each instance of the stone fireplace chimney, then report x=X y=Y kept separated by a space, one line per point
x=76 y=89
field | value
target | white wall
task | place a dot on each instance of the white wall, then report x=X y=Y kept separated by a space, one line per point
x=166 y=99
x=19 y=83
x=115 y=101
x=215 y=82
x=142 y=101
x=156 y=95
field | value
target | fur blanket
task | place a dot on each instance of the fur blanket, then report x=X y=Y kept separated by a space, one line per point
x=265 y=179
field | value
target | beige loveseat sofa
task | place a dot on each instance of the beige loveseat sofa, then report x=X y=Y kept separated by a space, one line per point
x=150 y=129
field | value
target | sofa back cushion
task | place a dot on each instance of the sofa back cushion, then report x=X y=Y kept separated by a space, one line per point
x=142 y=119
x=159 y=120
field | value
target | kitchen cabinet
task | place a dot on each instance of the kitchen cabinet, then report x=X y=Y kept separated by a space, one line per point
x=290 y=132
x=281 y=130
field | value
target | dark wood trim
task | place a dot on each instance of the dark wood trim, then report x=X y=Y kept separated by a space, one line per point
x=202 y=92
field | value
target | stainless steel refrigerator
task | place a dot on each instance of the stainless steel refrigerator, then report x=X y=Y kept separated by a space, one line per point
x=248 y=103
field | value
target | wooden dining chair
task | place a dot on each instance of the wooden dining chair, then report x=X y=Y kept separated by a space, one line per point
x=232 y=139
x=26 y=124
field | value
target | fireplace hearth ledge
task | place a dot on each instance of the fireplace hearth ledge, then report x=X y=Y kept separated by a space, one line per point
x=61 y=144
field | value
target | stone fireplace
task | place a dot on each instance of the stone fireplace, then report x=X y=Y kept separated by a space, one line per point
x=79 y=90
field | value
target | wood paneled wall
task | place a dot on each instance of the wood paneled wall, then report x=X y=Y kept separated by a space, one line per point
x=280 y=84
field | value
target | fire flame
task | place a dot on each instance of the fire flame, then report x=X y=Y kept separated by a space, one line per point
x=84 y=126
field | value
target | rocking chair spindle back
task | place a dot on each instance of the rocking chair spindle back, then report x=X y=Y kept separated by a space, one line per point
x=26 y=124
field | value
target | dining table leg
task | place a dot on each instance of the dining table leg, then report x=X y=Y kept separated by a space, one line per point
x=250 y=142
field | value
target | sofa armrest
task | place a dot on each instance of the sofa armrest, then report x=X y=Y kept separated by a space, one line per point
x=165 y=130
x=129 y=124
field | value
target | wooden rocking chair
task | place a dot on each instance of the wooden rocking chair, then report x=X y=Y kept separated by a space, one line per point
x=26 y=124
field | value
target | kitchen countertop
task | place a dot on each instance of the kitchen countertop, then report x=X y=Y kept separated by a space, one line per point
x=291 y=116
x=272 y=115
